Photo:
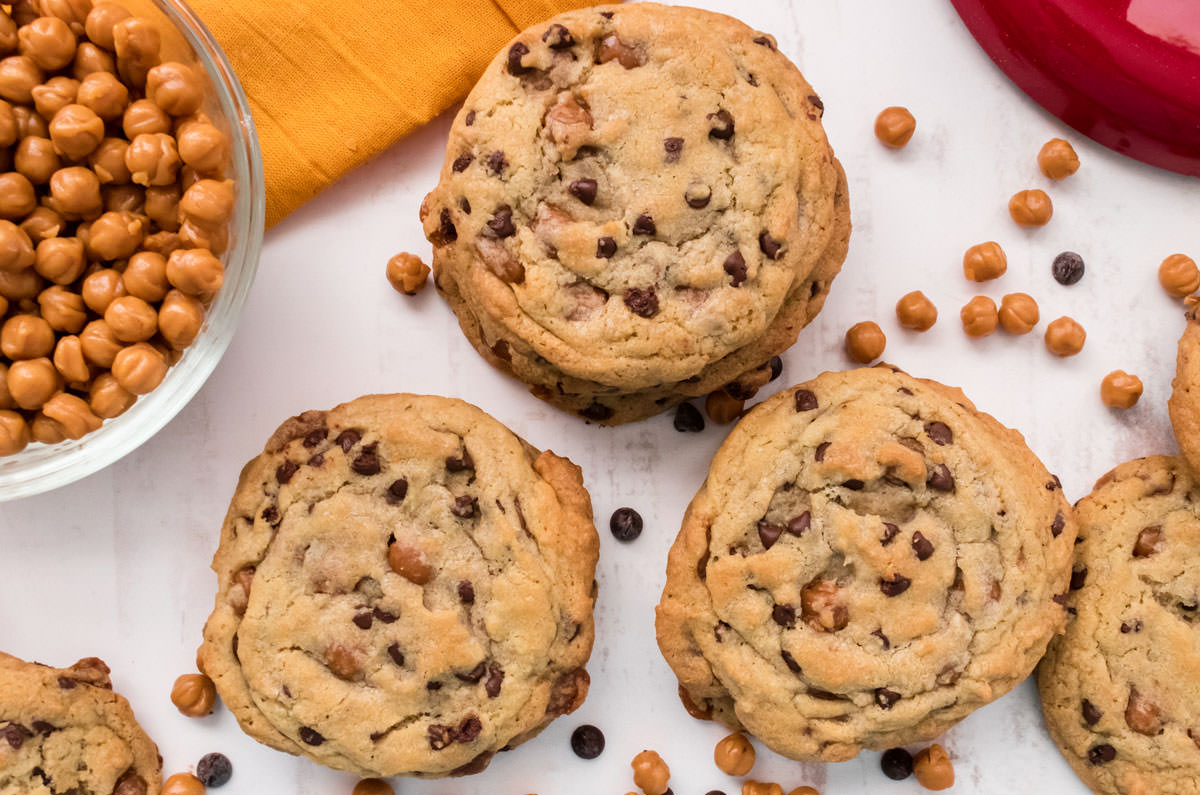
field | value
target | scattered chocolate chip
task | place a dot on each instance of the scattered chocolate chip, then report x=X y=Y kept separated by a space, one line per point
x=440 y=736
x=1131 y=626
x=939 y=432
x=722 y=125
x=1101 y=754
x=1059 y=598
x=474 y=675
x=596 y=412
x=460 y=463
x=494 y=681
x=587 y=742
x=384 y=616
x=769 y=533
x=752 y=80
x=367 y=462
x=363 y=620
x=317 y=460
x=1067 y=268
x=887 y=644
x=776 y=365
x=397 y=491
x=584 y=190
x=895 y=586
x=673 y=148
x=886 y=698
x=284 y=472
x=769 y=245
x=854 y=484
x=798 y=525
x=270 y=515
x=557 y=37
x=15 y=736
x=465 y=507
x=625 y=524
x=515 y=54
x=922 y=546
x=466 y=592
x=469 y=729
x=606 y=247
x=311 y=736
x=735 y=266
x=1057 y=527
x=940 y=479
x=642 y=302
x=606 y=14
x=67 y=683
x=784 y=615
x=765 y=42
x=433 y=686
x=688 y=418
x=446 y=229
x=697 y=195
x=790 y=661
x=461 y=162
x=501 y=224
x=1091 y=714
x=1078 y=578
x=315 y=437
x=1054 y=483
x=816 y=102
x=469 y=119
x=805 y=400
x=465 y=205
x=644 y=225
x=214 y=770
x=890 y=531
x=347 y=439
x=819 y=454
x=896 y=763
x=497 y=162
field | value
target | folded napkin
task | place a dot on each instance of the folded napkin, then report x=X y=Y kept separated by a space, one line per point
x=333 y=84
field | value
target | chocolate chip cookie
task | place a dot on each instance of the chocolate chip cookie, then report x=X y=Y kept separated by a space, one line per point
x=64 y=730
x=634 y=198
x=1119 y=689
x=1184 y=404
x=869 y=560
x=406 y=588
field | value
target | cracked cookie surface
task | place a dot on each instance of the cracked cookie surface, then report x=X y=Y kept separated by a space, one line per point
x=869 y=560
x=406 y=588
x=1121 y=689
x=65 y=730
x=631 y=194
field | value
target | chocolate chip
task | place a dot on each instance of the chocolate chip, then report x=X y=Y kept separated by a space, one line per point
x=886 y=698
x=584 y=190
x=1101 y=754
x=460 y=463
x=469 y=729
x=494 y=681
x=446 y=229
x=474 y=675
x=515 y=54
x=805 y=400
x=896 y=763
x=501 y=224
x=347 y=439
x=270 y=515
x=697 y=195
x=854 y=484
x=752 y=80
x=769 y=533
x=367 y=462
x=67 y=683
x=315 y=437
x=557 y=37
x=465 y=205
x=940 y=479
x=128 y=784
x=625 y=524
x=311 y=736
x=465 y=507
x=776 y=365
x=469 y=119
x=214 y=770
x=596 y=412
x=819 y=453
x=887 y=644
x=722 y=125
x=1131 y=626
x=1078 y=578
x=461 y=162
x=765 y=42
x=587 y=742
x=939 y=432
x=317 y=460
x=784 y=615
x=1057 y=526
x=1091 y=714
x=798 y=525
x=895 y=586
x=1054 y=483
x=673 y=148
x=384 y=616
x=466 y=592
x=735 y=266
x=890 y=531
x=284 y=472
x=642 y=302
x=688 y=418
x=497 y=162
x=606 y=247
x=363 y=620
x=769 y=245
x=790 y=661
x=397 y=491
x=43 y=728
x=1067 y=268
x=1059 y=598
x=922 y=546
x=644 y=225
x=15 y=736
x=440 y=736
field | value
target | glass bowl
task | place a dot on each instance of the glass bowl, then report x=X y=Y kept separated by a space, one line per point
x=41 y=467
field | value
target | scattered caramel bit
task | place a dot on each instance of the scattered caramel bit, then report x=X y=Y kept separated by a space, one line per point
x=1179 y=275
x=407 y=273
x=1018 y=313
x=1149 y=541
x=1031 y=207
x=1120 y=390
x=194 y=695
x=1057 y=159
x=865 y=342
x=372 y=786
x=753 y=787
x=805 y=791
x=984 y=261
x=915 y=311
x=734 y=755
x=1065 y=337
x=182 y=784
x=933 y=768
x=979 y=316
x=650 y=773
x=1143 y=715
x=722 y=408
x=895 y=126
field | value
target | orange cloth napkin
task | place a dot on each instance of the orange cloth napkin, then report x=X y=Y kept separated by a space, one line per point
x=333 y=84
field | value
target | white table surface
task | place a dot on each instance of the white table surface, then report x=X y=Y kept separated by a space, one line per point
x=116 y=565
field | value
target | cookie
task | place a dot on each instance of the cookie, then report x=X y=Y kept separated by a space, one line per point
x=65 y=730
x=869 y=560
x=405 y=588
x=1184 y=403
x=631 y=196
x=1120 y=689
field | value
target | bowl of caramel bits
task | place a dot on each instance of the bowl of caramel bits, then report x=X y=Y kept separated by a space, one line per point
x=131 y=219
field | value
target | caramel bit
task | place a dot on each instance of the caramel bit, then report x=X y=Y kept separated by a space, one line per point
x=865 y=342
x=650 y=773
x=915 y=311
x=1065 y=337
x=372 y=786
x=895 y=126
x=753 y=787
x=569 y=124
x=722 y=408
x=933 y=768
x=342 y=661
x=1143 y=715
x=820 y=607
x=613 y=49
x=407 y=273
x=1057 y=159
x=1120 y=390
x=1030 y=208
x=1179 y=275
x=409 y=563
x=734 y=755
x=984 y=261
x=182 y=784
x=979 y=316
x=1149 y=541
x=194 y=695
x=694 y=709
x=1018 y=313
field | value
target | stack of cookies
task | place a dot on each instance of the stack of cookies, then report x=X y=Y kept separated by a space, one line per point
x=638 y=205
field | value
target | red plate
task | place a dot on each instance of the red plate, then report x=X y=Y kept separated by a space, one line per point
x=1123 y=72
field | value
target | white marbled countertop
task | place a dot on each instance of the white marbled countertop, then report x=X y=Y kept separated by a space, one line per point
x=116 y=565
